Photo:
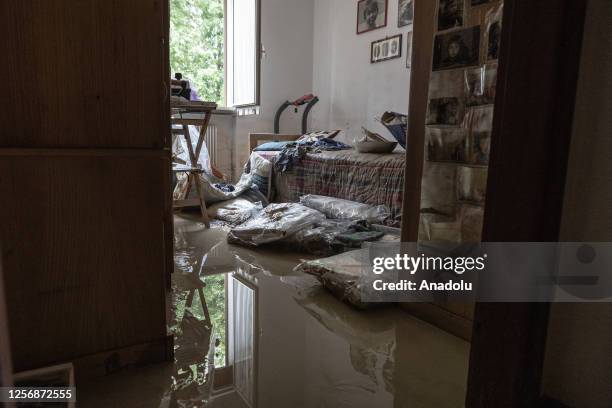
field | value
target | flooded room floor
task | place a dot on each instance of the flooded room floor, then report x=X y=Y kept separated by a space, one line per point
x=250 y=332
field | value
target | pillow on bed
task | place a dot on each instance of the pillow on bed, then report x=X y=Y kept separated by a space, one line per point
x=272 y=146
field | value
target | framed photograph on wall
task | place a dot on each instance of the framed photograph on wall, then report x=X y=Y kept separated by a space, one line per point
x=405 y=15
x=371 y=15
x=450 y=14
x=457 y=49
x=446 y=111
x=386 y=49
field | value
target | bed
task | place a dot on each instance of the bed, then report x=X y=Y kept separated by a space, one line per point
x=363 y=177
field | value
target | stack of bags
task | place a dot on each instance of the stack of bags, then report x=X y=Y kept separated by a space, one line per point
x=317 y=225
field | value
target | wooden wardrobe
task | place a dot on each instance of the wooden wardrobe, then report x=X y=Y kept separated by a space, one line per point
x=85 y=212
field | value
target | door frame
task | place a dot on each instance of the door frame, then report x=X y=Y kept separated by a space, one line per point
x=536 y=92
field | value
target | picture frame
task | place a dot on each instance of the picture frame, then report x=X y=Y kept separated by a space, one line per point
x=405 y=14
x=447 y=111
x=446 y=144
x=386 y=49
x=371 y=15
x=457 y=49
x=450 y=14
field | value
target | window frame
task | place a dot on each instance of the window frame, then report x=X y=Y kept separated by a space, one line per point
x=258 y=52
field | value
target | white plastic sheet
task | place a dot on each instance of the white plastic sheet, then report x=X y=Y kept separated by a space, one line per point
x=180 y=152
x=343 y=275
x=274 y=223
x=336 y=208
x=234 y=211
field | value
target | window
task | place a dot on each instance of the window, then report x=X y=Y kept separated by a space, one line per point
x=243 y=52
x=215 y=44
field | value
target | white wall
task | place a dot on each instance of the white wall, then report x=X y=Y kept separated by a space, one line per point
x=579 y=350
x=286 y=69
x=354 y=92
x=311 y=46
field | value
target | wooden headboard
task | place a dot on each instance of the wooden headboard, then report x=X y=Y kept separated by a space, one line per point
x=255 y=139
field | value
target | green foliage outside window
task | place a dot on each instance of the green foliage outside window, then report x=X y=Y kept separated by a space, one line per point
x=214 y=292
x=196 y=45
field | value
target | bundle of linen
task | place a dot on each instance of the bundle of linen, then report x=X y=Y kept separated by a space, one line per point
x=318 y=225
x=332 y=237
x=340 y=209
x=345 y=277
x=274 y=223
x=236 y=211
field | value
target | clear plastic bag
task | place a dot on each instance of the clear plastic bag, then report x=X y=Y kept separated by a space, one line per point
x=343 y=275
x=180 y=150
x=211 y=193
x=331 y=237
x=274 y=223
x=336 y=208
x=235 y=211
x=319 y=239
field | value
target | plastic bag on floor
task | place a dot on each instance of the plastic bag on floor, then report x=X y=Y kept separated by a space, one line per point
x=211 y=193
x=234 y=211
x=337 y=208
x=274 y=223
x=342 y=275
x=332 y=237
x=319 y=239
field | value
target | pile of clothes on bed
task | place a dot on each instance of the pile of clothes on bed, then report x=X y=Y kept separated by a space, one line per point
x=293 y=152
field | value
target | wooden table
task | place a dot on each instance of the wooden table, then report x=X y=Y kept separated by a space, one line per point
x=193 y=169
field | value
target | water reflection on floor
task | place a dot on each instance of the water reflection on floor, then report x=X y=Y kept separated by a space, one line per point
x=249 y=332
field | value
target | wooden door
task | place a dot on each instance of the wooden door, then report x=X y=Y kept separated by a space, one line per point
x=85 y=226
x=83 y=73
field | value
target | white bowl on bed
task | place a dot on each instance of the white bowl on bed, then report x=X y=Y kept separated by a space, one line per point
x=375 y=146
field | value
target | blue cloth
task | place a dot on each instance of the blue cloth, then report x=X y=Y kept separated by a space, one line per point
x=226 y=188
x=327 y=144
x=289 y=157
x=397 y=125
x=399 y=133
x=272 y=146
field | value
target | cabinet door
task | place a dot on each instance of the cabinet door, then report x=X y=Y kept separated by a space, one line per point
x=84 y=73
x=84 y=245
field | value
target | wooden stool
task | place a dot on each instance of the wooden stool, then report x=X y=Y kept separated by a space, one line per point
x=192 y=169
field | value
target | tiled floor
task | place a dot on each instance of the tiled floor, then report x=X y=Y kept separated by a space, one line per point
x=269 y=337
